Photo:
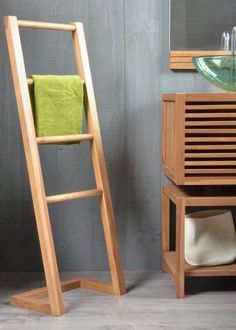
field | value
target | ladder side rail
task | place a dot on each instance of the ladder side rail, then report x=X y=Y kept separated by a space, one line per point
x=98 y=160
x=34 y=165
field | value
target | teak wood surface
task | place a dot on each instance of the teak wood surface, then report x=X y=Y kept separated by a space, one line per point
x=199 y=138
x=54 y=286
x=183 y=59
x=174 y=261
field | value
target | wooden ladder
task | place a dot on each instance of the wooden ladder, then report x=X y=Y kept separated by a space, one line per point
x=35 y=299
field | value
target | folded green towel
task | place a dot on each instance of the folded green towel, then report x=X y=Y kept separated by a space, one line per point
x=57 y=103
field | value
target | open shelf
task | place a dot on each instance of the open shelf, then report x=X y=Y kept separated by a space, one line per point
x=183 y=197
x=222 y=270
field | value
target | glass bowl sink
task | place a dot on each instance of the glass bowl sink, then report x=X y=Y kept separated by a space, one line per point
x=218 y=70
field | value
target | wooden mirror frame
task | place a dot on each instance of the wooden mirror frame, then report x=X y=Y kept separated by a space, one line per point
x=182 y=59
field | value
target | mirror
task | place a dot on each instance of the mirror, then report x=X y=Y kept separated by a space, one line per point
x=196 y=26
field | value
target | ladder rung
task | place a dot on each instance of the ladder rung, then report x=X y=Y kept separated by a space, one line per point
x=46 y=25
x=73 y=195
x=64 y=138
x=31 y=82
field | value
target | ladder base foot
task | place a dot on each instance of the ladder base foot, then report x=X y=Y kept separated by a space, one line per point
x=36 y=299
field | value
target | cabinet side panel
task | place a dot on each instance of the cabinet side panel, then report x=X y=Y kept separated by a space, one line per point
x=168 y=145
x=179 y=138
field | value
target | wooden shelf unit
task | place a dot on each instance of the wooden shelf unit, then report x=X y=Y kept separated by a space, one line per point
x=174 y=261
x=199 y=138
x=222 y=270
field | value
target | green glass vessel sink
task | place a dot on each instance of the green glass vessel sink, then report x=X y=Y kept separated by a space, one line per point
x=218 y=70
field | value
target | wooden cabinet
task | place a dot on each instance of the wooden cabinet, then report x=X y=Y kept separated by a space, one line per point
x=199 y=138
x=198 y=148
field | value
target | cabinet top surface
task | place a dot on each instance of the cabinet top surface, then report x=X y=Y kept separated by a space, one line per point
x=200 y=97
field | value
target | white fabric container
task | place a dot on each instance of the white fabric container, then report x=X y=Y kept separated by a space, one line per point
x=210 y=238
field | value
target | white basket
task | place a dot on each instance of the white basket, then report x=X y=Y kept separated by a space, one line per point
x=210 y=238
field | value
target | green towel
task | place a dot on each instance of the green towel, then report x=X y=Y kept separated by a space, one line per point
x=57 y=103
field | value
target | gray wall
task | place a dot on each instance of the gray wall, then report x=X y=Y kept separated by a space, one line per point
x=128 y=49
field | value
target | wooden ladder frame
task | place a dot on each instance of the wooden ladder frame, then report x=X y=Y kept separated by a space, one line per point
x=54 y=287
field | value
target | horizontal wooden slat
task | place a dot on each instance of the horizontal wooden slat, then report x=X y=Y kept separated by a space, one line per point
x=219 y=130
x=209 y=163
x=73 y=195
x=46 y=25
x=180 y=66
x=64 y=138
x=210 y=123
x=211 y=147
x=211 y=180
x=179 y=59
x=211 y=107
x=210 y=97
x=199 y=98
x=191 y=53
x=211 y=155
x=208 y=115
x=210 y=139
x=211 y=171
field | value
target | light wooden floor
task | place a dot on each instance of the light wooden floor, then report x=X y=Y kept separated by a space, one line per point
x=149 y=305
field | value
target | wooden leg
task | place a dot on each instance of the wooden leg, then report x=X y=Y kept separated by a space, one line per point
x=108 y=221
x=180 y=219
x=165 y=229
x=99 y=161
x=112 y=250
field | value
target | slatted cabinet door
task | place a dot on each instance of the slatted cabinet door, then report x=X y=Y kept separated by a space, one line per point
x=206 y=151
